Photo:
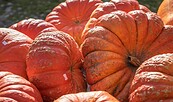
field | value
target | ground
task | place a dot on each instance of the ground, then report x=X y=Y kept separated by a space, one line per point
x=12 y=11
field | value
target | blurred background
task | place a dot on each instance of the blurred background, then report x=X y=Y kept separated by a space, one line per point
x=13 y=11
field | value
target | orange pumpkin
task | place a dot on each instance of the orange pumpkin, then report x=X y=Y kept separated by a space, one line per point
x=54 y=65
x=165 y=11
x=14 y=88
x=14 y=47
x=117 y=40
x=33 y=27
x=93 y=96
x=153 y=80
x=72 y=15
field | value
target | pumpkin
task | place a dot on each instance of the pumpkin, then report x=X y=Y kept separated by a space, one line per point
x=54 y=65
x=165 y=11
x=14 y=88
x=33 y=27
x=153 y=80
x=117 y=41
x=14 y=47
x=71 y=16
x=92 y=96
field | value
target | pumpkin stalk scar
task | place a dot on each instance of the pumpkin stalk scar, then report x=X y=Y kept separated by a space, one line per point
x=134 y=61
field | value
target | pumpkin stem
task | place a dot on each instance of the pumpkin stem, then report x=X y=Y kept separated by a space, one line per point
x=134 y=61
x=77 y=22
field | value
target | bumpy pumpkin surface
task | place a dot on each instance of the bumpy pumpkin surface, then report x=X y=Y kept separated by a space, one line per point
x=33 y=27
x=14 y=88
x=93 y=96
x=165 y=11
x=14 y=47
x=117 y=40
x=153 y=81
x=72 y=15
x=53 y=65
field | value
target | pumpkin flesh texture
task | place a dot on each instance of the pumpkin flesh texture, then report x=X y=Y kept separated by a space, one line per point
x=53 y=65
x=117 y=42
x=14 y=47
x=33 y=27
x=93 y=96
x=153 y=80
x=15 y=88
x=72 y=15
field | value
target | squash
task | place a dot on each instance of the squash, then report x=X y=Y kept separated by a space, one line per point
x=92 y=96
x=153 y=80
x=71 y=16
x=117 y=40
x=165 y=11
x=14 y=47
x=33 y=27
x=14 y=88
x=54 y=65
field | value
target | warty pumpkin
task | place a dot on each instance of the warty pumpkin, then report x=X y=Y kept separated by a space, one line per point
x=153 y=80
x=14 y=88
x=14 y=47
x=71 y=16
x=165 y=11
x=33 y=27
x=117 y=40
x=54 y=65
x=92 y=96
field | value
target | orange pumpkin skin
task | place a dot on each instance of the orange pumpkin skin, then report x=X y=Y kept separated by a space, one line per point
x=15 y=88
x=72 y=15
x=14 y=47
x=33 y=27
x=153 y=80
x=54 y=65
x=165 y=11
x=117 y=42
x=92 y=96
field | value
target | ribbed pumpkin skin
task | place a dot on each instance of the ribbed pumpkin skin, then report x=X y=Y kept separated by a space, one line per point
x=14 y=88
x=72 y=15
x=116 y=43
x=33 y=27
x=92 y=96
x=53 y=65
x=165 y=11
x=14 y=47
x=153 y=80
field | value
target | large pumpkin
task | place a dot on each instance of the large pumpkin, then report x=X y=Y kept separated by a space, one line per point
x=93 y=96
x=14 y=47
x=165 y=11
x=54 y=65
x=117 y=40
x=33 y=27
x=153 y=80
x=72 y=15
x=14 y=88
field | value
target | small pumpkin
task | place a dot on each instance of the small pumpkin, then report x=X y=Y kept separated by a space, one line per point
x=153 y=80
x=165 y=11
x=14 y=88
x=92 y=96
x=33 y=27
x=14 y=47
x=54 y=65
x=71 y=16
x=117 y=40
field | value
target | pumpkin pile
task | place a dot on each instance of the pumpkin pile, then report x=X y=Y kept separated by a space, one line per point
x=89 y=51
